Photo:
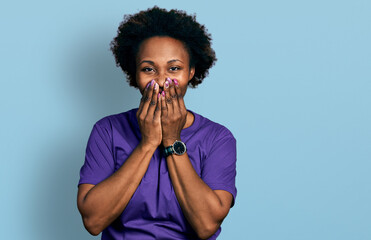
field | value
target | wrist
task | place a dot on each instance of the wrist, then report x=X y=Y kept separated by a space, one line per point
x=146 y=146
x=169 y=141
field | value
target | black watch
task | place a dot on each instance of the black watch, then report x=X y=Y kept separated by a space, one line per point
x=178 y=148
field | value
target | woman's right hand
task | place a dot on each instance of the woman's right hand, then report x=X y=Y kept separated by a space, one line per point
x=149 y=116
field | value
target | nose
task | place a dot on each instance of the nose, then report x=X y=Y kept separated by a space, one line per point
x=161 y=80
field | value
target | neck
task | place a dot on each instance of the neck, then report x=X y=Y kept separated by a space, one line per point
x=190 y=120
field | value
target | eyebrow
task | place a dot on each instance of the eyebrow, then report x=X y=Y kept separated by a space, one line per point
x=151 y=62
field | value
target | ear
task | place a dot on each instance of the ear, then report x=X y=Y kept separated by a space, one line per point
x=191 y=73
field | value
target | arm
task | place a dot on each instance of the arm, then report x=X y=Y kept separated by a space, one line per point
x=203 y=207
x=101 y=204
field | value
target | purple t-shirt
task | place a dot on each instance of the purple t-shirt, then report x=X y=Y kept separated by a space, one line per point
x=153 y=211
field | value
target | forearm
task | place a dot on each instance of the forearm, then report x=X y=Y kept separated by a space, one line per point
x=200 y=204
x=107 y=200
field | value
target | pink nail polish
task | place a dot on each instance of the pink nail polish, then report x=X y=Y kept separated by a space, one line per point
x=148 y=85
x=152 y=82
x=156 y=86
x=158 y=95
x=163 y=93
x=166 y=84
x=168 y=79
x=175 y=81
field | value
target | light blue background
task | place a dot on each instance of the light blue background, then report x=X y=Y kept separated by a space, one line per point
x=292 y=82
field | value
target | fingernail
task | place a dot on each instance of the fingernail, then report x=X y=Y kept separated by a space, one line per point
x=156 y=86
x=163 y=93
x=175 y=81
x=152 y=82
x=169 y=79
x=166 y=84
x=148 y=85
x=158 y=95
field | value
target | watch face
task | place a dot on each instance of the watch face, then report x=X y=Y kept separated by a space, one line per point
x=179 y=148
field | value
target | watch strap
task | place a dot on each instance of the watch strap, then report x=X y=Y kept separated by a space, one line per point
x=169 y=150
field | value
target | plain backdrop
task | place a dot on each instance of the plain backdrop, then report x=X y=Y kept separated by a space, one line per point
x=292 y=82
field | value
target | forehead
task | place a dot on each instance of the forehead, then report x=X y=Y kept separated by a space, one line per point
x=161 y=48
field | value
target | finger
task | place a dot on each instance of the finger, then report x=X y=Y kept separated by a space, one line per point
x=179 y=94
x=164 y=112
x=144 y=96
x=168 y=99
x=147 y=98
x=153 y=102
x=158 y=111
x=174 y=96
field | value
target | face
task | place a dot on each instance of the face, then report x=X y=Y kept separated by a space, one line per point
x=162 y=57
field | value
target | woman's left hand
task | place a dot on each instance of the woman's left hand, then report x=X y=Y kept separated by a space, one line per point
x=173 y=112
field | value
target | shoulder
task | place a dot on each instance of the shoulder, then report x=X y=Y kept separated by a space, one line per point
x=118 y=118
x=214 y=130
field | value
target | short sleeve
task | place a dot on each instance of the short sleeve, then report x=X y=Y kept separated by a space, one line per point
x=99 y=161
x=219 y=168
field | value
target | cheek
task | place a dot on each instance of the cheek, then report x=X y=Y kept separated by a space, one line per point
x=183 y=89
x=141 y=87
x=142 y=82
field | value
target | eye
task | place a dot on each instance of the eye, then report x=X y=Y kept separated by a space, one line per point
x=174 y=69
x=147 y=69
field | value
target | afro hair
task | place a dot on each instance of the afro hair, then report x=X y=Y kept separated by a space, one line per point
x=136 y=28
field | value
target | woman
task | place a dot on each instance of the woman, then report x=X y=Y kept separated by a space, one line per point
x=159 y=171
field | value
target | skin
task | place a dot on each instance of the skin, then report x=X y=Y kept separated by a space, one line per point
x=158 y=59
x=162 y=76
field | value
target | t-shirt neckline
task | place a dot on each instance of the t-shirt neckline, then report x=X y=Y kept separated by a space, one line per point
x=194 y=125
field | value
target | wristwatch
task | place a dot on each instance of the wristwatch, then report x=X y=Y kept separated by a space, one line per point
x=178 y=148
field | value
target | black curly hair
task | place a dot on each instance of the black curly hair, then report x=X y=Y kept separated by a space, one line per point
x=136 y=28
